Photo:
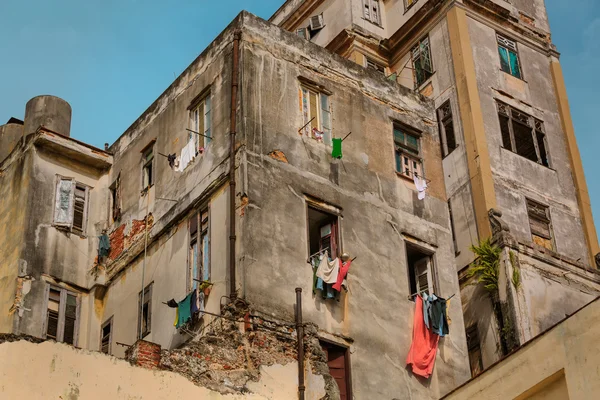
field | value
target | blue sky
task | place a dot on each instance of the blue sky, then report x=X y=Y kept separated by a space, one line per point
x=110 y=59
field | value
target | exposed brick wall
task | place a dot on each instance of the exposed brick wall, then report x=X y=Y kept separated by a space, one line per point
x=144 y=354
x=121 y=239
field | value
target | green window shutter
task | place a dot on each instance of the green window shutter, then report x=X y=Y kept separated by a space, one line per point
x=514 y=64
x=504 y=61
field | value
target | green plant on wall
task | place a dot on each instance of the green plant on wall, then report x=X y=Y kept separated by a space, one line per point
x=485 y=267
x=516 y=273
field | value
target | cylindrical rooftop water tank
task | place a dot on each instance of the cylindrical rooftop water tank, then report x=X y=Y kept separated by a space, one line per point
x=50 y=112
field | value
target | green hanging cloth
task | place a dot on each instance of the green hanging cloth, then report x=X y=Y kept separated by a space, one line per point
x=337 y=148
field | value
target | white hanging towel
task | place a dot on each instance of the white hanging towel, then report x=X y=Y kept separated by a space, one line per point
x=328 y=270
x=188 y=153
x=421 y=185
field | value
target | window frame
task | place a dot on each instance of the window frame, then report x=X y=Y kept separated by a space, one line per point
x=115 y=199
x=108 y=322
x=196 y=238
x=60 y=330
x=416 y=49
x=429 y=256
x=372 y=12
x=535 y=125
x=148 y=164
x=545 y=219
x=453 y=229
x=404 y=152
x=334 y=212
x=374 y=65
x=408 y=6
x=69 y=225
x=445 y=116
x=147 y=299
x=323 y=110
x=347 y=362
x=510 y=46
x=202 y=102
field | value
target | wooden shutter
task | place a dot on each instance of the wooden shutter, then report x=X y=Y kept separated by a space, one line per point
x=79 y=207
x=63 y=206
x=422 y=276
x=70 y=319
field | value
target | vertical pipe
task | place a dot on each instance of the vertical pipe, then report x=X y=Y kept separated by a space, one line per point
x=144 y=264
x=232 y=237
x=300 y=333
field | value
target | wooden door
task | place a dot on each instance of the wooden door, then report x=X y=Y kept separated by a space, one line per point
x=338 y=368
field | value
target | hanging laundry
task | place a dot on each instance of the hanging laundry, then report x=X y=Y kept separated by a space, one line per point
x=423 y=349
x=197 y=302
x=328 y=270
x=337 y=148
x=438 y=319
x=172 y=303
x=421 y=185
x=184 y=310
x=173 y=162
x=427 y=308
x=344 y=267
x=188 y=153
x=103 y=245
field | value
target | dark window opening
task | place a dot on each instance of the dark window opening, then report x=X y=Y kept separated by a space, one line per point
x=61 y=315
x=446 y=127
x=421 y=60
x=115 y=199
x=474 y=347
x=106 y=337
x=53 y=311
x=79 y=207
x=338 y=361
x=145 y=319
x=148 y=168
x=375 y=66
x=323 y=234
x=419 y=271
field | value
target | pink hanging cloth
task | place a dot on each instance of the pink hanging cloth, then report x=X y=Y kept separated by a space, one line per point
x=344 y=267
x=424 y=345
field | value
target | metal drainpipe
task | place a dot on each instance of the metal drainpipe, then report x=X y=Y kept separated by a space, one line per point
x=300 y=333
x=232 y=237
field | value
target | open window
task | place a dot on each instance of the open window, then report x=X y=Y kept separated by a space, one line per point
x=446 y=128
x=71 y=205
x=145 y=318
x=200 y=122
x=420 y=271
x=199 y=257
x=374 y=65
x=106 y=337
x=315 y=106
x=323 y=232
x=421 y=61
x=338 y=361
x=407 y=146
x=62 y=315
x=115 y=199
x=148 y=166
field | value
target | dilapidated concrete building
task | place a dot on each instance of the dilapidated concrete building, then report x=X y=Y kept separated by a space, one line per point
x=234 y=179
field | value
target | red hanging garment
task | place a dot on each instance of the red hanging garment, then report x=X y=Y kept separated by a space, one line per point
x=424 y=345
x=344 y=267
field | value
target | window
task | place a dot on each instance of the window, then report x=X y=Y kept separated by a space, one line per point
x=446 y=127
x=509 y=57
x=523 y=134
x=409 y=3
x=71 y=205
x=303 y=33
x=115 y=199
x=419 y=271
x=323 y=232
x=145 y=318
x=200 y=123
x=316 y=113
x=372 y=12
x=407 y=148
x=421 y=60
x=148 y=166
x=338 y=361
x=374 y=65
x=539 y=223
x=106 y=337
x=456 y=251
x=199 y=257
x=474 y=347
x=61 y=315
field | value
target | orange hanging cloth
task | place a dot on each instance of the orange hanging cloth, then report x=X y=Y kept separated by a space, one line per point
x=424 y=345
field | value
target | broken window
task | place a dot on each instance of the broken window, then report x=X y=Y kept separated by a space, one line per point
x=509 y=56
x=409 y=3
x=61 y=315
x=145 y=318
x=316 y=114
x=539 y=223
x=106 y=337
x=71 y=205
x=420 y=272
x=323 y=230
x=523 y=134
x=407 y=150
x=199 y=258
x=370 y=64
x=446 y=127
x=200 y=123
x=372 y=12
x=115 y=199
x=338 y=361
x=421 y=60
x=474 y=347
x=148 y=167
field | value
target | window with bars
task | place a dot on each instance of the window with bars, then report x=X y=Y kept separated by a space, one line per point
x=409 y=3
x=71 y=205
x=145 y=317
x=509 y=56
x=315 y=107
x=200 y=122
x=61 y=315
x=199 y=257
x=407 y=150
x=420 y=272
x=523 y=134
x=421 y=61
x=106 y=337
x=446 y=128
x=372 y=13
x=148 y=166
x=540 y=224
